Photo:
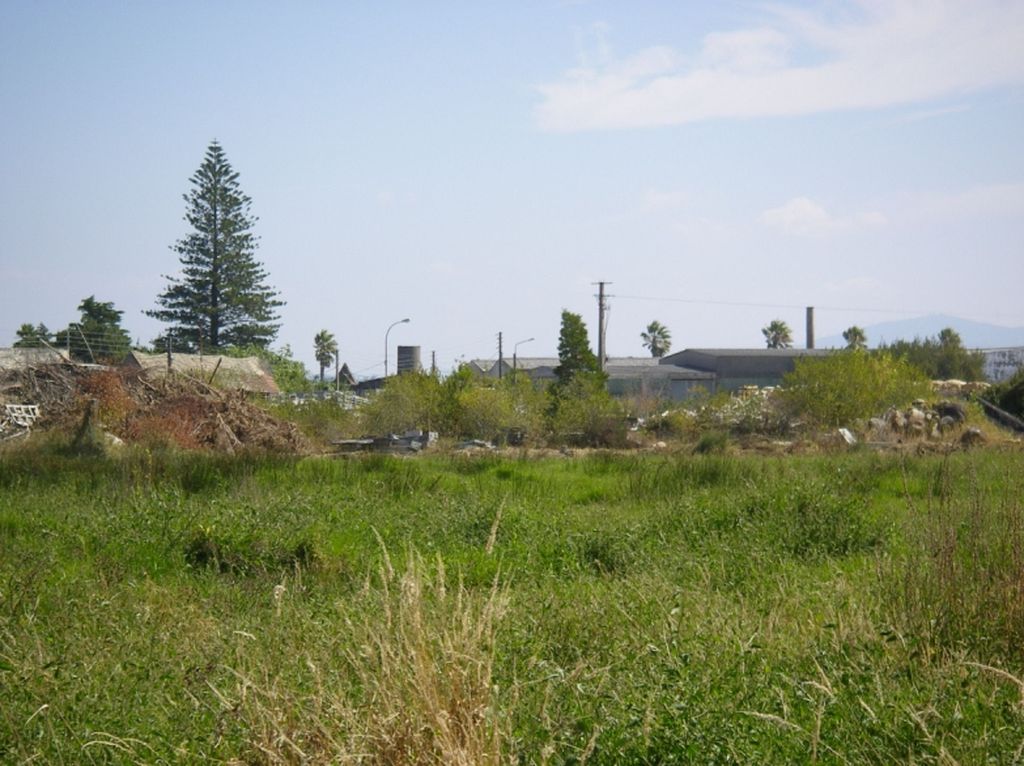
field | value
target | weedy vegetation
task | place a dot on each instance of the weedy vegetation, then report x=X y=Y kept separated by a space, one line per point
x=613 y=608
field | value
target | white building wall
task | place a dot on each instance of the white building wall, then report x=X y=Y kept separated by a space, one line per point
x=1002 y=363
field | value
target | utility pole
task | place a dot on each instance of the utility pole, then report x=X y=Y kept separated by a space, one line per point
x=601 y=314
x=501 y=358
x=433 y=363
x=337 y=378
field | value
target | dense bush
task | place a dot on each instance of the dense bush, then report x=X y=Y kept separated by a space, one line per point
x=495 y=411
x=407 y=401
x=841 y=388
x=584 y=412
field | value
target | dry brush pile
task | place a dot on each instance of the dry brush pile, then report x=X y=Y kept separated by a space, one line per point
x=178 y=410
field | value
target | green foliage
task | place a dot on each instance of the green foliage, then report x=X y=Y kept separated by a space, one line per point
x=777 y=334
x=961 y=585
x=408 y=401
x=289 y=373
x=585 y=413
x=98 y=335
x=711 y=442
x=809 y=518
x=32 y=336
x=846 y=386
x=221 y=298
x=940 y=358
x=323 y=420
x=494 y=412
x=657 y=339
x=649 y=609
x=574 y=354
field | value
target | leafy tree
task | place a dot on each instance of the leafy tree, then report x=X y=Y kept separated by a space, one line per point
x=407 y=401
x=657 y=339
x=942 y=357
x=30 y=336
x=574 y=354
x=325 y=347
x=777 y=334
x=98 y=335
x=846 y=386
x=221 y=298
x=855 y=337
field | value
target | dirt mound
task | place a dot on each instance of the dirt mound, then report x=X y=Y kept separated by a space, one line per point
x=177 y=410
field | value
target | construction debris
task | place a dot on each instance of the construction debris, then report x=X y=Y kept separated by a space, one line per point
x=410 y=441
x=177 y=410
x=17 y=420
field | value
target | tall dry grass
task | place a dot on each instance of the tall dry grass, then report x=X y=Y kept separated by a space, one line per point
x=415 y=686
x=961 y=588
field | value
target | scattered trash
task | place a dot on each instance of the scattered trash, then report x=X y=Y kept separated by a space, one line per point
x=410 y=441
x=17 y=420
x=473 y=444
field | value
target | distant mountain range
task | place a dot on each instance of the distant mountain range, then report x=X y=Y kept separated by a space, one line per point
x=973 y=334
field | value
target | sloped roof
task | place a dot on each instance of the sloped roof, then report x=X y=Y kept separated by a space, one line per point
x=248 y=373
x=20 y=358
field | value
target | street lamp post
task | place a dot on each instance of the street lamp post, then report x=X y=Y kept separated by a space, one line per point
x=515 y=355
x=400 y=321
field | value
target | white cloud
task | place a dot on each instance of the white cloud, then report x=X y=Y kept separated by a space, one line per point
x=804 y=217
x=892 y=53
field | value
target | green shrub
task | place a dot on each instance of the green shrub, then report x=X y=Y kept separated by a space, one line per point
x=411 y=400
x=711 y=442
x=841 y=388
x=585 y=413
x=494 y=411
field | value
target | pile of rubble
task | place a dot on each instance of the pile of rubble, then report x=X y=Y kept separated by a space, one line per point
x=177 y=410
x=923 y=421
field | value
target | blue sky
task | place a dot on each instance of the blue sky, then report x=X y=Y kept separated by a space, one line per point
x=477 y=166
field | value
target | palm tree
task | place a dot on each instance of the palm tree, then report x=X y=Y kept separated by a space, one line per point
x=657 y=338
x=777 y=334
x=855 y=337
x=325 y=347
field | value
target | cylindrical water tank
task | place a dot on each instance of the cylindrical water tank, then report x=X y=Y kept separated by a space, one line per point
x=409 y=359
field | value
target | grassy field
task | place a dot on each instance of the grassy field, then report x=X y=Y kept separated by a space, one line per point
x=607 y=609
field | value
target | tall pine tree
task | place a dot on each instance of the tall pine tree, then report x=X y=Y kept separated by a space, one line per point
x=221 y=297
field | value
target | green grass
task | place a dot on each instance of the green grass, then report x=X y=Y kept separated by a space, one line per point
x=165 y=608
